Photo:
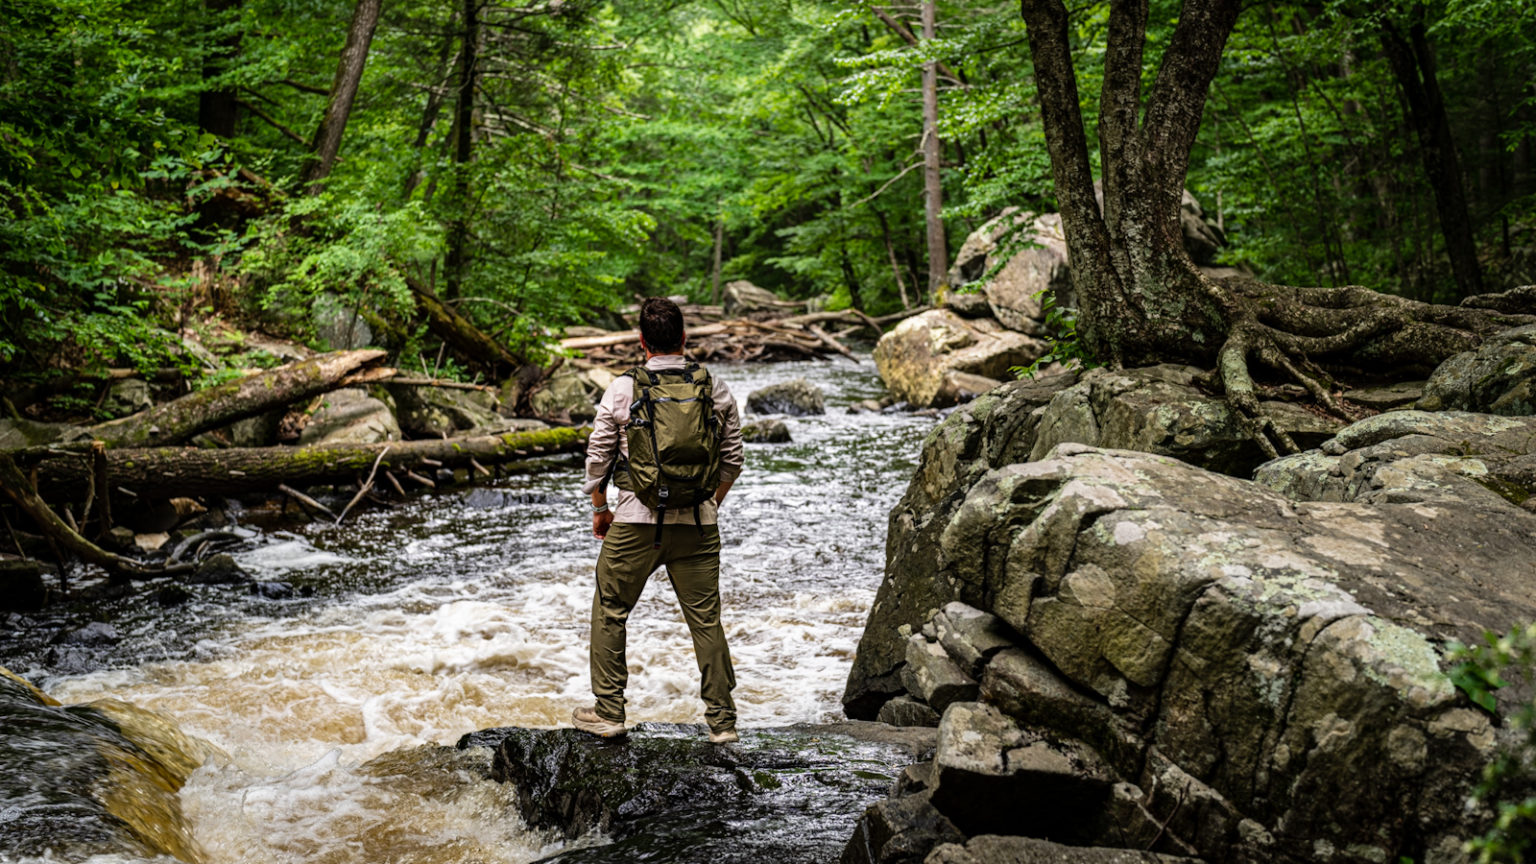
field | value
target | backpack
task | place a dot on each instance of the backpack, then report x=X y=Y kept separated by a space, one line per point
x=674 y=441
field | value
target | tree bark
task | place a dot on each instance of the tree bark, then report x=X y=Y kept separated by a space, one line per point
x=1413 y=65
x=933 y=187
x=186 y=471
x=714 y=293
x=218 y=110
x=176 y=422
x=349 y=72
x=463 y=151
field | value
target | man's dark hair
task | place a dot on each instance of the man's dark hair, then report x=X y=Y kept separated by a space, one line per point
x=661 y=325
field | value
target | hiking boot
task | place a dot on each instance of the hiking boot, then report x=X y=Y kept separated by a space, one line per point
x=724 y=736
x=587 y=720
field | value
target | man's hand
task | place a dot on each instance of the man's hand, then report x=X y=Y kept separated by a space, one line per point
x=600 y=523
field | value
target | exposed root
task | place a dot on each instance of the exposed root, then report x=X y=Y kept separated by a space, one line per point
x=1288 y=329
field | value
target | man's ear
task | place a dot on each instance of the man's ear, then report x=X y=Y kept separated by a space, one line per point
x=644 y=347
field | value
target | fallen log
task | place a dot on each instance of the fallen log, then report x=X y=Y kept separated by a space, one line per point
x=165 y=472
x=460 y=334
x=178 y=421
x=20 y=490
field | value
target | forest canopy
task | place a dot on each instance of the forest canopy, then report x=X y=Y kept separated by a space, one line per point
x=166 y=166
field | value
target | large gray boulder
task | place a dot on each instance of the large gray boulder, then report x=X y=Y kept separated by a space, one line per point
x=568 y=396
x=1407 y=457
x=1030 y=253
x=1498 y=378
x=937 y=358
x=350 y=416
x=1262 y=675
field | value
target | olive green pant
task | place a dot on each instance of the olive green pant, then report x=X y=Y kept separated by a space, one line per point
x=692 y=559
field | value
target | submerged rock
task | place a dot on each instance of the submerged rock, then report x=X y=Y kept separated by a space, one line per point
x=666 y=794
x=766 y=432
x=796 y=397
x=96 y=779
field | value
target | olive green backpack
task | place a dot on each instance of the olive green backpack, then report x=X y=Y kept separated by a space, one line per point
x=674 y=441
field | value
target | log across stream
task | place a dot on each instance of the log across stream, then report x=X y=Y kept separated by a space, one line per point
x=467 y=610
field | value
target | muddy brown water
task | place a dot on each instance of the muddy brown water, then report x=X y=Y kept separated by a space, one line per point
x=468 y=610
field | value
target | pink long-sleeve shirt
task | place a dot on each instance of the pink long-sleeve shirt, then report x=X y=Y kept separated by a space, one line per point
x=609 y=439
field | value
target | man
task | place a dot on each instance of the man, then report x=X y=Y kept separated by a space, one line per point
x=637 y=539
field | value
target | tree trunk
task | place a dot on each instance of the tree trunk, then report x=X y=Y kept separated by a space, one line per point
x=463 y=150
x=176 y=422
x=461 y=334
x=218 y=110
x=1413 y=64
x=714 y=292
x=933 y=187
x=349 y=72
x=184 y=471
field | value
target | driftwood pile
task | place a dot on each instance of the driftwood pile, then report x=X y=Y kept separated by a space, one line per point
x=765 y=335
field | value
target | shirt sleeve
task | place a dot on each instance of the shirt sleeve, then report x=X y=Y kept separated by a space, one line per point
x=730 y=424
x=603 y=443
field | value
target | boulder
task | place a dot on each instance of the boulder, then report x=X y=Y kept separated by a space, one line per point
x=741 y=299
x=765 y=432
x=996 y=849
x=1202 y=240
x=16 y=433
x=127 y=396
x=568 y=396
x=993 y=776
x=666 y=794
x=938 y=358
x=1407 y=457
x=906 y=711
x=968 y=304
x=899 y=831
x=445 y=412
x=970 y=636
x=1265 y=672
x=1498 y=378
x=221 y=569
x=1156 y=409
x=1032 y=252
x=350 y=416
x=796 y=397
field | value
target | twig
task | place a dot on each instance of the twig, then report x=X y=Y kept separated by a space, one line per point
x=365 y=488
x=420 y=479
x=12 y=531
x=832 y=343
x=393 y=481
x=309 y=503
x=479 y=469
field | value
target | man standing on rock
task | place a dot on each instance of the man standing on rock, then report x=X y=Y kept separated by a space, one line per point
x=669 y=436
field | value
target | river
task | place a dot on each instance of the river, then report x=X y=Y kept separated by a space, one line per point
x=467 y=610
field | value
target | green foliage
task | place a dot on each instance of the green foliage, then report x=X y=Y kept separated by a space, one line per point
x=1066 y=346
x=1509 y=781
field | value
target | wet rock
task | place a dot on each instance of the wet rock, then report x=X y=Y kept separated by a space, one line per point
x=933 y=678
x=21 y=585
x=938 y=358
x=71 y=659
x=666 y=794
x=796 y=397
x=127 y=396
x=272 y=590
x=1484 y=461
x=443 y=412
x=172 y=594
x=992 y=776
x=96 y=633
x=742 y=299
x=1498 y=378
x=218 y=569
x=350 y=416
x=996 y=849
x=906 y=711
x=899 y=831
x=766 y=432
x=87 y=780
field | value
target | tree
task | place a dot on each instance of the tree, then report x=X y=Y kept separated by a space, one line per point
x=1141 y=299
x=349 y=71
